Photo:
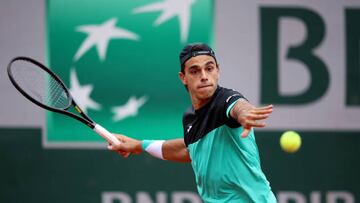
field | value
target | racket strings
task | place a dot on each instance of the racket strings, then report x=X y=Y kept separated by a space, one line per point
x=56 y=95
x=40 y=85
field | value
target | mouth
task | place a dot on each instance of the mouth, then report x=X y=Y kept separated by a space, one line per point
x=204 y=86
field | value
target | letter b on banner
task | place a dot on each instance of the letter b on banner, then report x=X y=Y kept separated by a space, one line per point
x=303 y=53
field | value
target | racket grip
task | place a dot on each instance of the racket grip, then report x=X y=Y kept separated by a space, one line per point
x=106 y=134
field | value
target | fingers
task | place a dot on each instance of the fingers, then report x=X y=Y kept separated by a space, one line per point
x=116 y=148
x=126 y=147
x=260 y=113
x=266 y=107
x=256 y=124
x=245 y=132
x=124 y=154
x=258 y=116
x=263 y=110
x=119 y=149
x=121 y=137
x=253 y=119
x=251 y=124
x=110 y=147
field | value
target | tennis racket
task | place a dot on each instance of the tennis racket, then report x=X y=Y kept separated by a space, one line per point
x=44 y=88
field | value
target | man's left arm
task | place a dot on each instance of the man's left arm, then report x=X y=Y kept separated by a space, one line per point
x=249 y=116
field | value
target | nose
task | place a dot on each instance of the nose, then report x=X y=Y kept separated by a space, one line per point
x=203 y=76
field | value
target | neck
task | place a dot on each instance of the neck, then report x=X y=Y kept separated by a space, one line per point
x=198 y=103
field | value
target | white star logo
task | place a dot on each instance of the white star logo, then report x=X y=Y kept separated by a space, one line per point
x=100 y=35
x=171 y=8
x=129 y=109
x=81 y=94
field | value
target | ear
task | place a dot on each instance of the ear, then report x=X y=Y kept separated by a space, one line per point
x=182 y=78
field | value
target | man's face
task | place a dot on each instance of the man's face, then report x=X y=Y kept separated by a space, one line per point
x=201 y=75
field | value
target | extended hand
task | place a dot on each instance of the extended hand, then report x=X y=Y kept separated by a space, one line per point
x=249 y=116
x=127 y=146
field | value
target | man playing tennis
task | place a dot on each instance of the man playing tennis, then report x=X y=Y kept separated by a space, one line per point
x=218 y=137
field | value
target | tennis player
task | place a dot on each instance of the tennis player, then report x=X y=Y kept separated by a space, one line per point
x=218 y=138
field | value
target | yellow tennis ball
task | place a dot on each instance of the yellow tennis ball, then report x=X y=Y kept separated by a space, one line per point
x=290 y=141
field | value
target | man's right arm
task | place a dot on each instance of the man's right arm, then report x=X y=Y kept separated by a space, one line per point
x=171 y=150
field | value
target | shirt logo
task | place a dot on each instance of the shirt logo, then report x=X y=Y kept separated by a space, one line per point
x=189 y=128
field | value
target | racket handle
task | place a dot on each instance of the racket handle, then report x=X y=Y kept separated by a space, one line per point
x=106 y=134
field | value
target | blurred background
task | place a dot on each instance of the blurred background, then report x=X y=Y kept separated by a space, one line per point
x=301 y=56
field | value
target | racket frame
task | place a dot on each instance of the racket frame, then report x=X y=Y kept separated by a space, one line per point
x=84 y=119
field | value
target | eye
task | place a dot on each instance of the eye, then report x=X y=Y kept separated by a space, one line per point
x=193 y=71
x=209 y=68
